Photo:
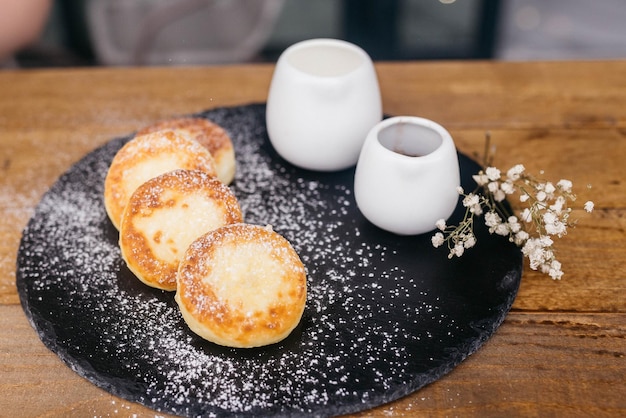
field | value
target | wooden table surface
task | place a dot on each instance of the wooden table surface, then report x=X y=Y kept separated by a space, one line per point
x=560 y=352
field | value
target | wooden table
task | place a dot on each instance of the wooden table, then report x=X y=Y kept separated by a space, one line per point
x=560 y=352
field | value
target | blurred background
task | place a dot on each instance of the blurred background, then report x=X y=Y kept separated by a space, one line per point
x=213 y=32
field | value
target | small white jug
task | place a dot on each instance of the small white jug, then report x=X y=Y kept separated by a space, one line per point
x=407 y=175
x=323 y=100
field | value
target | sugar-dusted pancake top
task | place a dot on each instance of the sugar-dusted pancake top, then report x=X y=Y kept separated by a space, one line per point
x=145 y=157
x=165 y=215
x=212 y=136
x=241 y=285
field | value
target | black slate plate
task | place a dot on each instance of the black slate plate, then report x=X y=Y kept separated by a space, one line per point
x=385 y=315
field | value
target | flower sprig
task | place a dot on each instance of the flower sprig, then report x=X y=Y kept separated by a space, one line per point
x=545 y=217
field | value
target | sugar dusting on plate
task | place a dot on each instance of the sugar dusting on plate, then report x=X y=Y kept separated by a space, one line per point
x=364 y=338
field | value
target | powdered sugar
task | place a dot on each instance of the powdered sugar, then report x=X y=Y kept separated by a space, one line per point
x=376 y=324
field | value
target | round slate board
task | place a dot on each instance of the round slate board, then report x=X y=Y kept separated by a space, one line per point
x=385 y=314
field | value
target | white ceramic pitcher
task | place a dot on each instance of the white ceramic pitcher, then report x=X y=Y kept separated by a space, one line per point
x=407 y=175
x=323 y=99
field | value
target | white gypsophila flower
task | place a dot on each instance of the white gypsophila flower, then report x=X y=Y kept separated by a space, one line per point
x=460 y=190
x=551 y=223
x=557 y=206
x=557 y=228
x=534 y=249
x=492 y=219
x=492 y=173
x=477 y=209
x=545 y=241
x=481 y=179
x=549 y=218
x=514 y=224
x=502 y=229
x=515 y=172
x=469 y=240
x=520 y=238
x=534 y=262
x=441 y=224
x=554 y=270
x=471 y=200
x=545 y=216
x=507 y=187
x=499 y=195
x=564 y=185
x=541 y=196
x=438 y=239
x=457 y=250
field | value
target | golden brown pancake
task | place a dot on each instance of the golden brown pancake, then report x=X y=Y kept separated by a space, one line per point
x=212 y=136
x=145 y=157
x=165 y=215
x=241 y=285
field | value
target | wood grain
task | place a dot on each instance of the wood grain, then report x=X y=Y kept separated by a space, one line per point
x=561 y=350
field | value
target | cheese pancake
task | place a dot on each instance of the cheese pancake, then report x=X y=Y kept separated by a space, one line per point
x=241 y=285
x=210 y=135
x=145 y=157
x=165 y=215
